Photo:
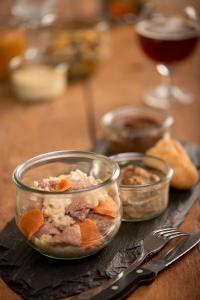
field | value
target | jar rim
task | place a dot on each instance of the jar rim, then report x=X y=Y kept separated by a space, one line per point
x=131 y=156
x=54 y=156
x=108 y=118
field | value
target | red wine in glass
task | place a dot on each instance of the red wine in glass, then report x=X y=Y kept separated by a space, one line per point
x=167 y=40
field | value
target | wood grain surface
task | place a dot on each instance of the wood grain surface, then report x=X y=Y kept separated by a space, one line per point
x=28 y=130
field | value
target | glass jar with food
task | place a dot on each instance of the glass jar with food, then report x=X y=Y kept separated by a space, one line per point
x=135 y=129
x=81 y=43
x=68 y=203
x=144 y=185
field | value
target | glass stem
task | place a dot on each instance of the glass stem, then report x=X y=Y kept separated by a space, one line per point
x=165 y=73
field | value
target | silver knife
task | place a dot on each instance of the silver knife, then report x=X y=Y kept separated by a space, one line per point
x=126 y=282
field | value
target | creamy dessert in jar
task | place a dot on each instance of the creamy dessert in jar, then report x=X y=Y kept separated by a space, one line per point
x=38 y=81
x=73 y=224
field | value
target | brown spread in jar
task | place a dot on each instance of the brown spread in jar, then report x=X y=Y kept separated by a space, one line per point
x=141 y=122
x=134 y=134
x=134 y=175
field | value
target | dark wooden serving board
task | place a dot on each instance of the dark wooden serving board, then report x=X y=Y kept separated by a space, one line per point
x=34 y=276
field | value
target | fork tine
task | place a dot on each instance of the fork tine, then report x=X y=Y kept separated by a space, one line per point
x=163 y=230
x=166 y=233
x=169 y=232
x=176 y=234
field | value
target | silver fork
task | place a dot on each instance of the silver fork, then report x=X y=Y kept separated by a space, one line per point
x=151 y=244
x=155 y=241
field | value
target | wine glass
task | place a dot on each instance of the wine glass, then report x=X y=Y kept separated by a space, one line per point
x=168 y=34
x=33 y=13
x=32 y=10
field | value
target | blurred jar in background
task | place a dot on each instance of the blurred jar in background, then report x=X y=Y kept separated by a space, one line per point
x=79 y=36
x=12 y=43
x=81 y=43
x=33 y=78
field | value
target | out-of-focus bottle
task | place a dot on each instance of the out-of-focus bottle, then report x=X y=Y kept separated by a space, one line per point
x=122 y=10
x=12 y=43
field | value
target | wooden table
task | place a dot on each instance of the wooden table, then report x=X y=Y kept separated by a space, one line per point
x=28 y=130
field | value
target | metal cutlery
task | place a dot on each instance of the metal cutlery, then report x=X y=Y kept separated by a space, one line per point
x=156 y=240
x=141 y=276
x=151 y=244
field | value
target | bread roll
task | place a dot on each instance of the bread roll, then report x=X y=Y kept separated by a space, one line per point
x=185 y=173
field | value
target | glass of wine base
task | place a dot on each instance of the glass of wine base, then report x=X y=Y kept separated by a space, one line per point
x=168 y=40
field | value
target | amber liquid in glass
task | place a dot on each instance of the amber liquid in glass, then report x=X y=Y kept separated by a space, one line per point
x=12 y=43
x=167 y=40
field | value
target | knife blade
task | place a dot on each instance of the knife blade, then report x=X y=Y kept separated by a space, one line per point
x=127 y=282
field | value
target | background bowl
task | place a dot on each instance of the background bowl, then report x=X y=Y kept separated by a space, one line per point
x=135 y=129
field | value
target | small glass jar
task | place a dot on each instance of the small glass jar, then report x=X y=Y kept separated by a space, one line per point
x=135 y=129
x=33 y=78
x=82 y=42
x=62 y=234
x=147 y=200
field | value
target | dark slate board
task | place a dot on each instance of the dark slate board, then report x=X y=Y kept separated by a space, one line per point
x=34 y=276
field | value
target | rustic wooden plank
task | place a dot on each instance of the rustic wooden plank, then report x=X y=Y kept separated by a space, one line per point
x=27 y=130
